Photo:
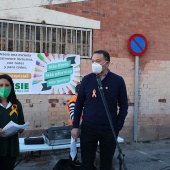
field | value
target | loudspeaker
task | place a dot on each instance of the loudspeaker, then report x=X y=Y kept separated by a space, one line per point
x=57 y=133
x=33 y=140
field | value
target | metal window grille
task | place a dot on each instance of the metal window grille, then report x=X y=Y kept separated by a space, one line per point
x=39 y=38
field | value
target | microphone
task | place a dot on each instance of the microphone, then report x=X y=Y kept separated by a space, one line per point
x=120 y=156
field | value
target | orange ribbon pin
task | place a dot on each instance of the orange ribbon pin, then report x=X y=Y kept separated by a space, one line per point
x=94 y=93
x=14 y=110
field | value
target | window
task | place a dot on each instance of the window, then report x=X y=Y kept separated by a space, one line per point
x=39 y=38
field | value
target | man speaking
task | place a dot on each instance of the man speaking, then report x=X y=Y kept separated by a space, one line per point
x=95 y=126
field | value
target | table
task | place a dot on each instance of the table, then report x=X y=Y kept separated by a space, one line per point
x=45 y=146
x=42 y=147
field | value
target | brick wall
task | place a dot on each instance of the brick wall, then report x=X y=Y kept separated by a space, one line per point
x=119 y=20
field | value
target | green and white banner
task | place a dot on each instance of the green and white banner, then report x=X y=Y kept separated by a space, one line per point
x=41 y=73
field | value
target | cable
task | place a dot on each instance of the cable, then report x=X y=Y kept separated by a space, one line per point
x=120 y=156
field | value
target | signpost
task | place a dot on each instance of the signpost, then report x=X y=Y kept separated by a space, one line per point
x=137 y=45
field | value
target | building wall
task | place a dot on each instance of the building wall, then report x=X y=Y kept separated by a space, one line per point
x=119 y=19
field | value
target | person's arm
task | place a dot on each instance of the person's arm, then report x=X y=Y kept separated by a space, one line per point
x=20 y=116
x=78 y=110
x=123 y=105
x=79 y=105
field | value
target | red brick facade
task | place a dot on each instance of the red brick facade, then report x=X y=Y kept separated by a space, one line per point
x=119 y=20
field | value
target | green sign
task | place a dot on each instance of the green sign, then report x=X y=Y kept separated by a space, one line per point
x=57 y=81
x=58 y=73
x=57 y=66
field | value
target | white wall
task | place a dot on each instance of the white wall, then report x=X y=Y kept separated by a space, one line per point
x=33 y=11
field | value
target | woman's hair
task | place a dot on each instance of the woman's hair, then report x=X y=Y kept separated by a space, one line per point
x=12 y=96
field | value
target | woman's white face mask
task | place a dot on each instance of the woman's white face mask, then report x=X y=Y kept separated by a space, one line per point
x=97 y=68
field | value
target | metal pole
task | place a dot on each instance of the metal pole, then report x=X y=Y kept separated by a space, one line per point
x=136 y=99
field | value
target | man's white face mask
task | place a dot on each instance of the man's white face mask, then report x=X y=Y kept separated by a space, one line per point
x=97 y=68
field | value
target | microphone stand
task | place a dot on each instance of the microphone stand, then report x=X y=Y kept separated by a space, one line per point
x=120 y=156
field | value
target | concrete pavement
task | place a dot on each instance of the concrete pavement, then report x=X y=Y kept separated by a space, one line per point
x=151 y=155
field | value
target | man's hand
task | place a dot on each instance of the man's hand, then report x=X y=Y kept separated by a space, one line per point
x=75 y=133
x=1 y=132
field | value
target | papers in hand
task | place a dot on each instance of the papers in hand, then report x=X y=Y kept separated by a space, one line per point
x=73 y=149
x=11 y=128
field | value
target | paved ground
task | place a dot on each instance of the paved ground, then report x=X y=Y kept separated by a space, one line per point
x=154 y=155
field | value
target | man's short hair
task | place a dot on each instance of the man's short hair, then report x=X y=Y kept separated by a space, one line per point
x=105 y=54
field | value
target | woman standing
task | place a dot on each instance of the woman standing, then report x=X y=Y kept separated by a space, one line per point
x=10 y=109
